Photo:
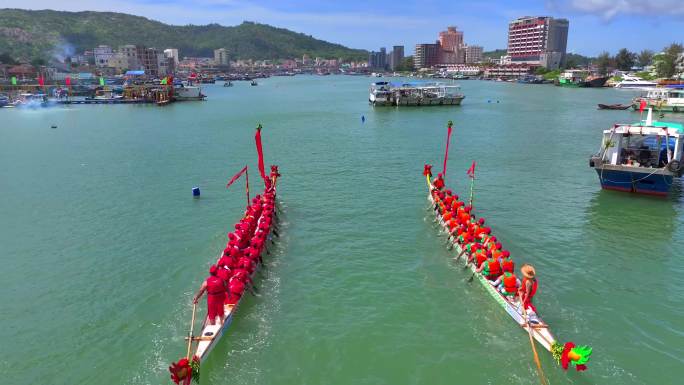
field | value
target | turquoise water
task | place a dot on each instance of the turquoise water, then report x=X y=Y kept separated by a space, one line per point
x=102 y=245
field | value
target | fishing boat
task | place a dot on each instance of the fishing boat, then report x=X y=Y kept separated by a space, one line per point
x=183 y=91
x=253 y=83
x=642 y=157
x=527 y=320
x=228 y=84
x=613 y=106
x=581 y=79
x=670 y=99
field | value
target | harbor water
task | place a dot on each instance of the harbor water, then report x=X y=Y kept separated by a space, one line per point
x=102 y=245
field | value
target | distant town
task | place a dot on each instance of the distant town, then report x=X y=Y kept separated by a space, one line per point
x=537 y=46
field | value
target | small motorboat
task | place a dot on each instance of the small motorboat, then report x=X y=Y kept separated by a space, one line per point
x=228 y=84
x=254 y=83
x=613 y=106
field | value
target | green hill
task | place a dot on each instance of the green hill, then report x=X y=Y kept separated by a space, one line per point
x=41 y=34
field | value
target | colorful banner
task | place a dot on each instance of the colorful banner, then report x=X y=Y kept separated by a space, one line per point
x=67 y=81
x=260 y=152
x=41 y=81
x=14 y=80
x=236 y=177
x=642 y=106
x=446 y=153
x=102 y=81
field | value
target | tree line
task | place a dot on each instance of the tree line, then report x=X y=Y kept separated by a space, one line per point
x=665 y=62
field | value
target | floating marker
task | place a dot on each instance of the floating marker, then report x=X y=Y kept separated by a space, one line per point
x=363 y=118
x=195 y=192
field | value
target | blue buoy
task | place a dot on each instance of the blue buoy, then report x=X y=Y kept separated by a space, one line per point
x=363 y=118
x=195 y=192
x=489 y=100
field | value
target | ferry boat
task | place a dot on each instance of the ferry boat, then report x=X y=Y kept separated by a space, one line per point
x=642 y=157
x=631 y=81
x=662 y=99
x=414 y=94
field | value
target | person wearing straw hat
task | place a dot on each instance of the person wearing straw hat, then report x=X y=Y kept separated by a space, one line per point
x=529 y=285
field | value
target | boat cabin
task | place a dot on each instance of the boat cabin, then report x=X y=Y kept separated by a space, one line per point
x=653 y=145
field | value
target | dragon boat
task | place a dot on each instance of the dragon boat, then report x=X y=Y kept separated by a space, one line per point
x=187 y=369
x=565 y=354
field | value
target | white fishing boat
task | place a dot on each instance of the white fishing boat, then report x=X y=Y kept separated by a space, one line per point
x=634 y=82
x=661 y=100
x=183 y=91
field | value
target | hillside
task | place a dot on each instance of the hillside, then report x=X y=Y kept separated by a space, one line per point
x=40 y=34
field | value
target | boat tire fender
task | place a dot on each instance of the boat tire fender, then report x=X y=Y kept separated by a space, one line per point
x=674 y=166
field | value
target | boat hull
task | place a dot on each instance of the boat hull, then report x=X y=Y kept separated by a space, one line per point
x=636 y=182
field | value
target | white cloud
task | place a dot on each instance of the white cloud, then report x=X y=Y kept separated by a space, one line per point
x=608 y=9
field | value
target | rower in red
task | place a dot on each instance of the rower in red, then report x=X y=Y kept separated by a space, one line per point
x=216 y=289
x=438 y=183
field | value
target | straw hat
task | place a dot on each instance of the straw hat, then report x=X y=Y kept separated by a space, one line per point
x=527 y=271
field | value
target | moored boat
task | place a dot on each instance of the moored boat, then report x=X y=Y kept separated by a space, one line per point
x=414 y=94
x=613 y=106
x=183 y=91
x=630 y=81
x=526 y=319
x=642 y=157
x=669 y=99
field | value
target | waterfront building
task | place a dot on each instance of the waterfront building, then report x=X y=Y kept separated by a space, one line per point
x=221 y=57
x=473 y=54
x=509 y=71
x=451 y=43
x=172 y=53
x=102 y=54
x=147 y=60
x=426 y=55
x=131 y=53
x=539 y=41
x=396 y=57
x=118 y=61
x=378 y=60
x=306 y=60
x=462 y=69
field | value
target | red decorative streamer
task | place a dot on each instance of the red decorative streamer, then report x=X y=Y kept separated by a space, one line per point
x=260 y=152
x=471 y=170
x=238 y=175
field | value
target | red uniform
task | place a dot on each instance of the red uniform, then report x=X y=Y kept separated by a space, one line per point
x=533 y=291
x=237 y=287
x=216 y=294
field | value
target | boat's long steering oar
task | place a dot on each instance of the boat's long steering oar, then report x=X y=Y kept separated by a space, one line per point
x=540 y=372
x=192 y=327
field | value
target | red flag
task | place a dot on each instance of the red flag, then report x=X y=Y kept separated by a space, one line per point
x=238 y=175
x=260 y=152
x=41 y=81
x=446 y=153
x=67 y=81
x=642 y=106
x=471 y=170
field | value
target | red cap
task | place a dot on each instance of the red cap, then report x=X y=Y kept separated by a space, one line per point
x=498 y=246
x=506 y=253
x=481 y=221
x=213 y=269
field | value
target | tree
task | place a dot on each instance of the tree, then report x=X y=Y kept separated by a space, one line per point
x=645 y=57
x=666 y=62
x=624 y=60
x=603 y=62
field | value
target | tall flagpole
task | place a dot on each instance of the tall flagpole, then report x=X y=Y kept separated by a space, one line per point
x=247 y=185
x=446 y=151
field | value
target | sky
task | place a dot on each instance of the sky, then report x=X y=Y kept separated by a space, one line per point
x=595 y=25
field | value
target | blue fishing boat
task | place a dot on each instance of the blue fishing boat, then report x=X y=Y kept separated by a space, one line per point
x=642 y=157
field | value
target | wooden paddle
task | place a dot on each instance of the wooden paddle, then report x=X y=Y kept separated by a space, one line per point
x=192 y=327
x=542 y=378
